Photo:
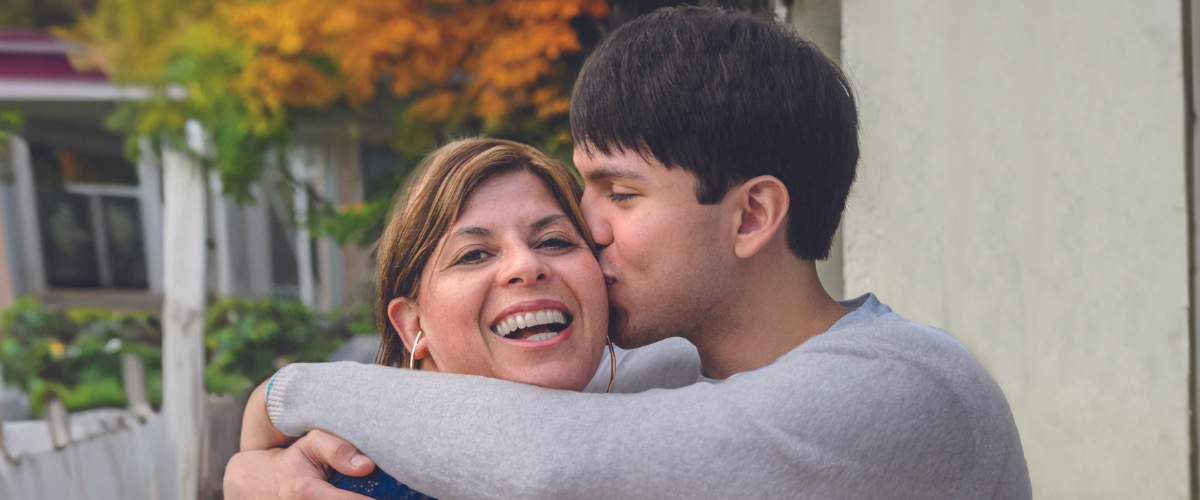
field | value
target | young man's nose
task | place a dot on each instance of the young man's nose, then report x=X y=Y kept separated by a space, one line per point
x=602 y=233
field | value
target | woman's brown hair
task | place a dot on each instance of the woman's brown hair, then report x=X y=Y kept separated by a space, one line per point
x=439 y=191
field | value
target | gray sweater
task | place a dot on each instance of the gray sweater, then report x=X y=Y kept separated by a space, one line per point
x=876 y=407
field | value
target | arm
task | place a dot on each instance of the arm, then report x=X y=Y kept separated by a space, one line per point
x=454 y=436
x=259 y=471
x=257 y=432
x=811 y=422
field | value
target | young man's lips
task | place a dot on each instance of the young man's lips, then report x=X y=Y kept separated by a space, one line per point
x=609 y=280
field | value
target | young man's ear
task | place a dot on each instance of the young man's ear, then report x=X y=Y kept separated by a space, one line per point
x=407 y=321
x=762 y=204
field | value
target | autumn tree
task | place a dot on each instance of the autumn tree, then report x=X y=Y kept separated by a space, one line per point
x=250 y=70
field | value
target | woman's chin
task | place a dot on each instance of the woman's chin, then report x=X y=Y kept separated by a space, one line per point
x=574 y=379
x=568 y=365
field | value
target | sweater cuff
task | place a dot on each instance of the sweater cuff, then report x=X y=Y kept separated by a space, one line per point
x=276 y=392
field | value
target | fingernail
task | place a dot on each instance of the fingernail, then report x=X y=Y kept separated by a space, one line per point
x=358 y=460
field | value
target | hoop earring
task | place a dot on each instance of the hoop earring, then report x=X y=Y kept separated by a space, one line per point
x=612 y=357
x=412 y=360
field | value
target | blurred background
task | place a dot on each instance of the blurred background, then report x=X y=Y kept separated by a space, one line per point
x=199 y=184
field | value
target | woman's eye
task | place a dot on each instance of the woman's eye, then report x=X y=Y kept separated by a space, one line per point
x=471 y=257
x=556 y=243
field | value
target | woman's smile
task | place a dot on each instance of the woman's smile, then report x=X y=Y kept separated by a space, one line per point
x=533 y=321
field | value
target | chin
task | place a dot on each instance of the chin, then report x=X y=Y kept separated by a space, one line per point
x=573 y=380
x=565 y=383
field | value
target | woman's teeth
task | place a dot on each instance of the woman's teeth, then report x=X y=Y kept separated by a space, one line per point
x=521 y=321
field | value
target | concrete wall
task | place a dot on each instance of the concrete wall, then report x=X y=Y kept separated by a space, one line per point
x=1023 y=187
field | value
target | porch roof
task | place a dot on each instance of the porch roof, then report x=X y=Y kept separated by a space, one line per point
x=36 y=66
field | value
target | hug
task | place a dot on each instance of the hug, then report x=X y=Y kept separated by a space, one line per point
x=716 y=151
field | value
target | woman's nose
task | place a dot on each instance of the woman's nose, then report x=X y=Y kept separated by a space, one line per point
x=524 y=266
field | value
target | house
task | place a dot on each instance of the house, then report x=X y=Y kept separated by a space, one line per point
x=82 y=222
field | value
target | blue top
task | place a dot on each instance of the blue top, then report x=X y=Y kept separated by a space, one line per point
x=378 y=484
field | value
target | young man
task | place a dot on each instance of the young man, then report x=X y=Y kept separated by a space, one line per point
x=717 y=152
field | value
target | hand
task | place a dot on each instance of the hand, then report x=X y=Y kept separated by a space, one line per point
x=296 y=472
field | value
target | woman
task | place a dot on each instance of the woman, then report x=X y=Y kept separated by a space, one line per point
x=488 y=269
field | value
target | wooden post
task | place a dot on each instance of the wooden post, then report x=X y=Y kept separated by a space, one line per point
x=7 y=283
x=150 y=186
x=220 y=236
x=60 y=436
x=134 y=373
x=33 y=271
x=60 y=425
x=184 y=254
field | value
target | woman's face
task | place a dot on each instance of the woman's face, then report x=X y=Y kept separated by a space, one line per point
x=513 y=292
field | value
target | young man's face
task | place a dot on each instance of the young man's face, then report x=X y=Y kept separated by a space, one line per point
x=661 y=250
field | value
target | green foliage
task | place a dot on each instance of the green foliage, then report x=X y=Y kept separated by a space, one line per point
x=360 y=225
x=10 y=123
x=75 y=354
x=248 y=340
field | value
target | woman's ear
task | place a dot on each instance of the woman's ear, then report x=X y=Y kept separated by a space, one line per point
x=763 y=206
x=407 y=321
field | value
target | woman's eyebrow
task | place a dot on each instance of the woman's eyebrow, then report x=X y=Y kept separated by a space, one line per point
x=482 y=232
x=546 y=220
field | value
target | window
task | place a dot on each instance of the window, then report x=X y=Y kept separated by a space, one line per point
x=90 y=217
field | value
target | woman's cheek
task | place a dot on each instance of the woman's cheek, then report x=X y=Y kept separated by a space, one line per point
x=456 y=312
x=587 y=282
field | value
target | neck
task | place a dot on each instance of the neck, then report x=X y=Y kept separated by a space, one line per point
x=781 y=305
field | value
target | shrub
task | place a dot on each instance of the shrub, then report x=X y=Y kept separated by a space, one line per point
x=75 y=354
x=248 y=340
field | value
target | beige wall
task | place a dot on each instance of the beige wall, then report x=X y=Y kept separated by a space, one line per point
x=1022 y=186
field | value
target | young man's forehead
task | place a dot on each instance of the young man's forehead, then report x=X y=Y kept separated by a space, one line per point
x=598 y=166
x=605 y=172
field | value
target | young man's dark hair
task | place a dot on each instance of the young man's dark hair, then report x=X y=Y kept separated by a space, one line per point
x=761 y=102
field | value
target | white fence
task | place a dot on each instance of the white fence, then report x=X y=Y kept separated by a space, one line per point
x=93 y=455
x=124 y=454
x=117 y=454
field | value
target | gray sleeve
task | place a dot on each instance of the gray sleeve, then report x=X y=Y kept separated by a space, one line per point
x=807 y=427
x=667 y=364
x=458 y=436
